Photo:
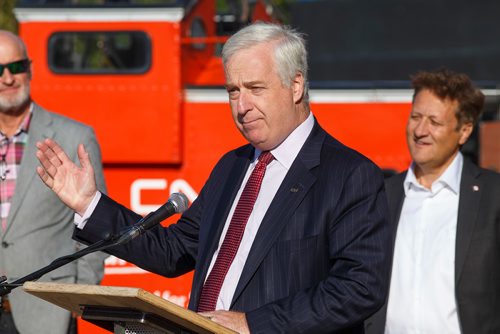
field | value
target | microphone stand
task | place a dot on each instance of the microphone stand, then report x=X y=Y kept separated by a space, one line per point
x=110 y=241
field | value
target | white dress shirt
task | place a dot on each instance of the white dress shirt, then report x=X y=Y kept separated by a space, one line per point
x=422 y=291
x=276 y=171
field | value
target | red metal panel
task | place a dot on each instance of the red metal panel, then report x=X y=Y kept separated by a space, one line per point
x=136 y=117
x=377 y=130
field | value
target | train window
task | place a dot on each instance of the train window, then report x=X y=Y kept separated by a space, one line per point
x=198 y=30
x=99 y=52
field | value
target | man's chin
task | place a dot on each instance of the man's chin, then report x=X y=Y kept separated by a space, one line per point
x=420 y=158
x=260 y=144
x=420 y=151
x=14 y=106
x=253 y=137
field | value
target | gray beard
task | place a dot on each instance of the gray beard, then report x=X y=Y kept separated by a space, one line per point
x=13 y=104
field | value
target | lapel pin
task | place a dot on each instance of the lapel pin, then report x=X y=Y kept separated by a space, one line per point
x=294 y=189
x=475 y=188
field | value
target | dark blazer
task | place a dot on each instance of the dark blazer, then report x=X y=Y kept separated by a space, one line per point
x=320 y=260
x=477 y=253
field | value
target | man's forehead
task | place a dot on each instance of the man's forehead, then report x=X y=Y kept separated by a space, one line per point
x=249 y=70
x=427 y=96
x=10 y=48
x=445 y=110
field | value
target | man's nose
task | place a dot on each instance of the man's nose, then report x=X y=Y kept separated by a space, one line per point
x=244 y=102
x=7 y=77
x=421 y=128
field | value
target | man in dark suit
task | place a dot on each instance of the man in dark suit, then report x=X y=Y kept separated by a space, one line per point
x=446 y=210
x=312 y=254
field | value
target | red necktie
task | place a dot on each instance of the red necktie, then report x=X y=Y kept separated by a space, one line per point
x=231 y=243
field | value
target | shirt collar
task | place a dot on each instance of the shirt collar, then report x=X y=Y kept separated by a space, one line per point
x=288 y=150
x=450 y=178
x=25 y=125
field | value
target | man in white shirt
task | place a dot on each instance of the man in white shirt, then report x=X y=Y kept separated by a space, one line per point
x=290 y=233
x=446 y=211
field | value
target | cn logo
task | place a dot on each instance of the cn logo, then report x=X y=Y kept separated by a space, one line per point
x=178 y=185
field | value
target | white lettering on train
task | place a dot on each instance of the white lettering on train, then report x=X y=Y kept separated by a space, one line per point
x=178 y=185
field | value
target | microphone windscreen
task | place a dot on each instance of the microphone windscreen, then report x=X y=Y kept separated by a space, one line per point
x=179 y=201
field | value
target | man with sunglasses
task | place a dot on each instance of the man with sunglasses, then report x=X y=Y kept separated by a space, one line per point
x=35 y=226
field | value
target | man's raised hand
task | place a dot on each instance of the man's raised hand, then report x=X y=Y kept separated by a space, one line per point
x=75 y=185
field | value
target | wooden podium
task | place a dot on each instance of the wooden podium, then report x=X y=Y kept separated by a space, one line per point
x=124 y=310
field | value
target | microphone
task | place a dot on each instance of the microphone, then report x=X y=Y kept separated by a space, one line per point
x=177 y=203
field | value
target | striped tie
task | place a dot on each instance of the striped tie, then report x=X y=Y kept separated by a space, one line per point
x=231 y=243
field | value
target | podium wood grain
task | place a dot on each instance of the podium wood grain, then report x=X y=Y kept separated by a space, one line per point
x=74 y=297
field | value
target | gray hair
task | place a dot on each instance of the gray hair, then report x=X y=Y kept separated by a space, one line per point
x=290 y=52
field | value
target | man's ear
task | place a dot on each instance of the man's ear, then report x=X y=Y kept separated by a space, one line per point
x=298 y=87
x=465 y=132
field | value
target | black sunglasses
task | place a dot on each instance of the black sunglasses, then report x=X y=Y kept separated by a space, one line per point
x=16 y=67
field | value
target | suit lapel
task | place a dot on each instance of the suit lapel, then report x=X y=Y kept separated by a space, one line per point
x=39 y=129
x=468 y=208
x=292 y=191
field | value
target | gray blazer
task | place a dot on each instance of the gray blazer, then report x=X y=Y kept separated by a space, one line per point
x=477 y=254
x=40 y=226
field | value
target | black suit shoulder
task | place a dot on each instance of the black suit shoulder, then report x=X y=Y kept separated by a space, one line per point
x=394 y=188
x=335 y=150
x=492 y=177
x=395 y=181
x=487 y=181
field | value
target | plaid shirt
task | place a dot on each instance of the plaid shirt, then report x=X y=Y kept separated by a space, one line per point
x=11 y=153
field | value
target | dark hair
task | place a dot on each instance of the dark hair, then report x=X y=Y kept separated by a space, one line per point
x=454 y=86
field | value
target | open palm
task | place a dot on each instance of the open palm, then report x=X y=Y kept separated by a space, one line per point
x=74 y=185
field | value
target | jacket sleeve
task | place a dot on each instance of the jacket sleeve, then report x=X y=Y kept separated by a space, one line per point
x=168 y=251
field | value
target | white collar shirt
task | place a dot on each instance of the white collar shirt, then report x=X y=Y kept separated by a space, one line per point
x=422 y=289
x=276 y=171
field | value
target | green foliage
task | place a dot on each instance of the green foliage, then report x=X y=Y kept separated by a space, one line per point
x=282 y=8
x=7 y=19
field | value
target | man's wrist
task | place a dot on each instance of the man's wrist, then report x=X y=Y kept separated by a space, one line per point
x=86 y=204
x=81 y=219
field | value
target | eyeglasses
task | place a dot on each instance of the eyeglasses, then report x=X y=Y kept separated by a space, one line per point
x=16 y=67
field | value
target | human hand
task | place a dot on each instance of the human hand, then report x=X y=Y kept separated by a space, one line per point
x=232 y=320
x=74 y=185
